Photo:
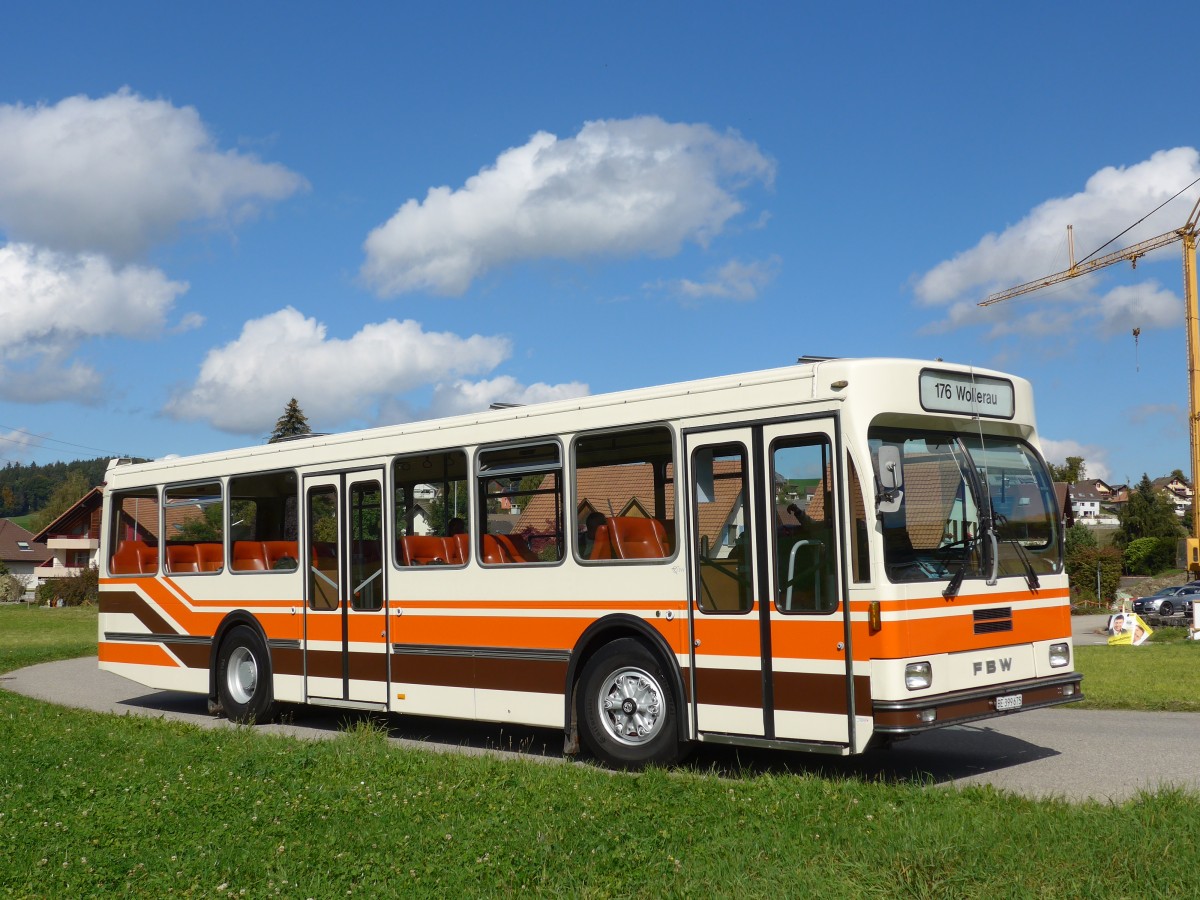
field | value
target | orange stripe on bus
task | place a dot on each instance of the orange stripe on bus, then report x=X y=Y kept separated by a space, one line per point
x=137 y=654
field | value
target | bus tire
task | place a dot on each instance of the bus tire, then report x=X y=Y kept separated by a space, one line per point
x=626 y=707
x=244 y=677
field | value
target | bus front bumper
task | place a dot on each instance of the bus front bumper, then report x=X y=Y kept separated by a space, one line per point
x=899 y=717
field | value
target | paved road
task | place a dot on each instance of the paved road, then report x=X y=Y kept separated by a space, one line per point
x=1067 y=753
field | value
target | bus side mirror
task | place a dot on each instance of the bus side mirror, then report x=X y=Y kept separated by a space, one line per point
x=891 y=479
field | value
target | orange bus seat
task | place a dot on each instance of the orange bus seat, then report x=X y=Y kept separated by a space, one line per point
x=182 y=558
x=602 y=546
x=669 y=531
x=148 y=559
x=516 y=547
x=460 y=548
x=249 y=556
x=211 y=557
x=127 y=560
x=634 y=537
x=276 y=554
x=423 y=550
x=492 y=552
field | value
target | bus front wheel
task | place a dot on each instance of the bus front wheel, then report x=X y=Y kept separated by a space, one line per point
x=244 y=677
x=626 y=708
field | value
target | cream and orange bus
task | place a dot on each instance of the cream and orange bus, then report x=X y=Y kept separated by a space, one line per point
x=822 y=557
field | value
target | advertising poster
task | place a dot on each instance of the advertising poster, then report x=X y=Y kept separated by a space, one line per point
x=1128 y=628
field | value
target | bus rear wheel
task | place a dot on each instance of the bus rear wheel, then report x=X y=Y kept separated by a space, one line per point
x=244 y=677
x=627 y=709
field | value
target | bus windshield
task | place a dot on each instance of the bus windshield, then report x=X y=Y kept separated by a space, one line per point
x=954 y=490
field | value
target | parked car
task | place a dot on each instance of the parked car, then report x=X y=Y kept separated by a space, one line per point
x=1168 y=601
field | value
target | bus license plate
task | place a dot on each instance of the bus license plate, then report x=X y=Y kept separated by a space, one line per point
x=1007 y=702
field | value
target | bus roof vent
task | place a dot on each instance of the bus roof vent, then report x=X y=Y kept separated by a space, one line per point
x=809 y=360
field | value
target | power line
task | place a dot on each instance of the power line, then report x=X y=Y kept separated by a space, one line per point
x=1138 y=222
x=41 y=438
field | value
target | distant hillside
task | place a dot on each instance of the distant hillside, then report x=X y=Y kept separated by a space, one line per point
x=26 y=489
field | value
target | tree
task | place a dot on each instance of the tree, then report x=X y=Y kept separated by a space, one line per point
x=1148 y=514
x=1072 y=471
x=64 y=497
x=1082 y=571
x=1080 y=537
x=293 y=422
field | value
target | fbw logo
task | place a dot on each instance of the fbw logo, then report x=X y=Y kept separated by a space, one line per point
x=991 y=666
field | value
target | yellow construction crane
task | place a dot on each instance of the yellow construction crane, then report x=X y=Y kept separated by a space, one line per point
x=1186 y=234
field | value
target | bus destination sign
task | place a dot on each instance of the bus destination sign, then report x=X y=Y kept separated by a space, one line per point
x=967 y=395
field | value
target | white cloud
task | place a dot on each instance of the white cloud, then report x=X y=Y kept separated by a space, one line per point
x=243 y=386
x=120 y=173
x=619 y=188
x=1112 y=199
x=459 y=397
x=19 y=445
x=1145 y=305
x=190 y=322
x=50 y=302
x=735 y=280
x=1094 y=458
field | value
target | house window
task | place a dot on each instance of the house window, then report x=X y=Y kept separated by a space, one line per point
x=23 y=546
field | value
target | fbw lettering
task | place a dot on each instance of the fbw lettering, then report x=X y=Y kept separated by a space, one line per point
x=990 y=666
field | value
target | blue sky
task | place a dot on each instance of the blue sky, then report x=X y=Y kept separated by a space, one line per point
x=391 y=211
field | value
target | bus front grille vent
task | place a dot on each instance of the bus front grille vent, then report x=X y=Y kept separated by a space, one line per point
x=991 y=621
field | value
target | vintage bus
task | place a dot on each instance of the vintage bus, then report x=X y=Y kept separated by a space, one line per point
x=821 y=557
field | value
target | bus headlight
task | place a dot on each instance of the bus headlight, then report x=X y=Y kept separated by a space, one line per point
x=1060 y=655
x=918 y=675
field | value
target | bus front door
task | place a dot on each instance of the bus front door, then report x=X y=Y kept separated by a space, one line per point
x=770 y=654
x=345 y=620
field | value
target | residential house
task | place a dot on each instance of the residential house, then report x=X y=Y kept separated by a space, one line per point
x=1177 y=491
x=1085 y=501
x=73 y=539
x=20 y=553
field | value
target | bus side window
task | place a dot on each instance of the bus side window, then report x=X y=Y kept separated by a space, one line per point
x=431 y=509
x=133 y=536
x=194 y=519
x=520 y=501
x=624 y=495
x=264 y=522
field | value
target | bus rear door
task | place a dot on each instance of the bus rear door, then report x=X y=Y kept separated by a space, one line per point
x=345 y=621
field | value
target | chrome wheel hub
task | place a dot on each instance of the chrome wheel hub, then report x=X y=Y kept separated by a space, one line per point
x=631 y=706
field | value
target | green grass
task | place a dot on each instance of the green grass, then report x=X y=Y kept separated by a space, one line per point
x=92 y=805
x=32 y=634
x=1160 y=675
x=23 y=521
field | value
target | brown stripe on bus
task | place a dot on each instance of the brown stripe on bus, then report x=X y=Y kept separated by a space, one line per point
x=133 y=603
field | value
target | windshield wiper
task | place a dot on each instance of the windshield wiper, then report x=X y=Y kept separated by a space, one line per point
x=1031 y=578
x=956 y=579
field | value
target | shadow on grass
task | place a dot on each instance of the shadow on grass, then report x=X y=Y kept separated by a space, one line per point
x=937 y=757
